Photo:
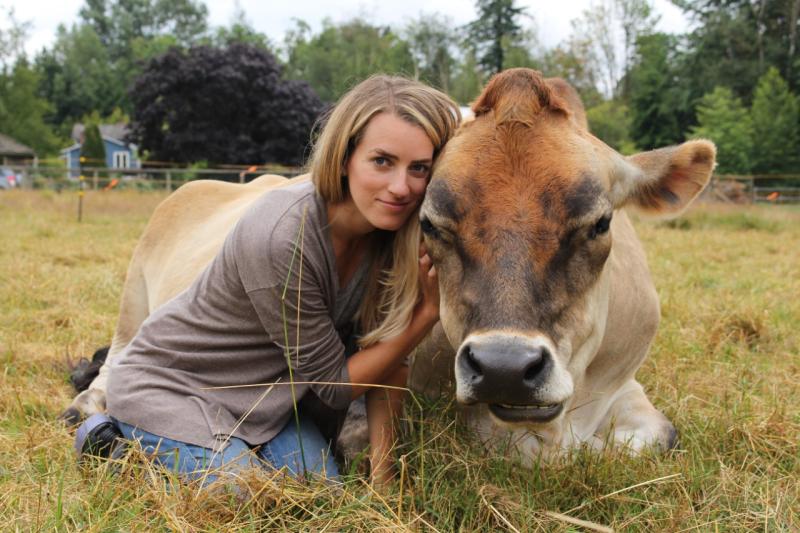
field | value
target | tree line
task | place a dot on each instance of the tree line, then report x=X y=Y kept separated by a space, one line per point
x=193 y=93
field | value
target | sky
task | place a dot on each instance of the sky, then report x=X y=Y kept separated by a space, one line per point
x=274 y=17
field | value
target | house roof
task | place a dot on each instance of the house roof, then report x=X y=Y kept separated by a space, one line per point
x=118 y=132
x=77 y=146
x=9 y=146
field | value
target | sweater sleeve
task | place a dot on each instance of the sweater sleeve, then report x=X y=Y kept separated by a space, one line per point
x=310 y=343
x=286 y=285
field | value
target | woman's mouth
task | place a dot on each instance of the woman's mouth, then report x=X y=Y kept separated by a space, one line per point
x=394 y=206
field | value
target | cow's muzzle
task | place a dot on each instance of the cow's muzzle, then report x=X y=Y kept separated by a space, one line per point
x=509 y=372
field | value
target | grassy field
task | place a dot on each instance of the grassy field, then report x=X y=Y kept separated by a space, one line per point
x=725 y=368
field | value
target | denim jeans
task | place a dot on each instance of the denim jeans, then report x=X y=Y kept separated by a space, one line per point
x=197 y=462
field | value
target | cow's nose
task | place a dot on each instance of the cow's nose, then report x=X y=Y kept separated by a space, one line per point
x=502 y=370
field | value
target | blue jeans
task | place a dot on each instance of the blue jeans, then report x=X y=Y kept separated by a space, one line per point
x=197 y=462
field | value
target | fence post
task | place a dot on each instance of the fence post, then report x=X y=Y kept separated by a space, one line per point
x=94 y=180
x=80 y=198
x=169 y=181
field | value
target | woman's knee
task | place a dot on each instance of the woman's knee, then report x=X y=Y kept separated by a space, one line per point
x=306 y=452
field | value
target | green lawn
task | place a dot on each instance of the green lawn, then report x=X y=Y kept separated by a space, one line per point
x=725 y=368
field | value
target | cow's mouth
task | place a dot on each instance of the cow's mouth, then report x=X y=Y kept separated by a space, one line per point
x=526 y=413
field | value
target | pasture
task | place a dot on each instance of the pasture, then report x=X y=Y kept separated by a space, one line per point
x=725 y=368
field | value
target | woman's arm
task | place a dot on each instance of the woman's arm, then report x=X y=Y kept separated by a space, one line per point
x=374 y=365
x=383 y=408
x=384 y=404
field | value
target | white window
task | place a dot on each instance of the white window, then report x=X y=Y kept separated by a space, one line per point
x=121 y=160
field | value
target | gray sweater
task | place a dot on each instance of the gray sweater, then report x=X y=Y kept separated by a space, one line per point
x=230 y=326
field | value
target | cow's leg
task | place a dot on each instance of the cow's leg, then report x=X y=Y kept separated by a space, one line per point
x=632 y=421
x=133 y=310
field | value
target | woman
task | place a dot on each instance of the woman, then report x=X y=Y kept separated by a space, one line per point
x=304 y=266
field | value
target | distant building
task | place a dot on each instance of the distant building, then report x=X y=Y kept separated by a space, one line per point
x=119 y=153
x=13 y=152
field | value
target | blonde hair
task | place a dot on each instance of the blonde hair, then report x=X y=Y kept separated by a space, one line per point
x=393 y=284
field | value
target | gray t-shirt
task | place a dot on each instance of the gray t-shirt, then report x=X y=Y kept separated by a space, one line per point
x=230 y=328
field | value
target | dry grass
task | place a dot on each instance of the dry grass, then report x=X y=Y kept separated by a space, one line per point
x=724 y=367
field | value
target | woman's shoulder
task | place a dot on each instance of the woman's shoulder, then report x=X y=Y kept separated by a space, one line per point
x=280 y=213
x=280 y=223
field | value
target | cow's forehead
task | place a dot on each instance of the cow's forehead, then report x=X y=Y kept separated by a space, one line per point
x=549 y=171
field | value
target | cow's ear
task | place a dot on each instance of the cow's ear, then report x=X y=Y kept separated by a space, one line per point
x=665 y=181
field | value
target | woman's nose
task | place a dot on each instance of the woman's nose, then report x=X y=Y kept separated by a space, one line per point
x=398 y=185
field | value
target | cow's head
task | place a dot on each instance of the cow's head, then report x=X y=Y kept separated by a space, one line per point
x=517 y=219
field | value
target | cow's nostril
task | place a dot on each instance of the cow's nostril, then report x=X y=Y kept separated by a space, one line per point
x=535 y=364
x=472 y=363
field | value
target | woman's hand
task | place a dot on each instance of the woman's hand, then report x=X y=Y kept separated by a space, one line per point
x=374 y=363
x=428 y=306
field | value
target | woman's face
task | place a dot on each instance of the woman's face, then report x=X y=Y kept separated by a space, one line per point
x=388 y=171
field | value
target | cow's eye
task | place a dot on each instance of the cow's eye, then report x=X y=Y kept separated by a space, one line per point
x=600 y=227
x=427 y=227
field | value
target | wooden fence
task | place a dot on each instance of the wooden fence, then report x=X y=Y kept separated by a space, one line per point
x=98 y=178
x=771 y=188
x=759 y=188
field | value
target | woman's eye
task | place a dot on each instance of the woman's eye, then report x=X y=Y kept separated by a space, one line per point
x=600 y=227
x=421 y=170
x=380 y=161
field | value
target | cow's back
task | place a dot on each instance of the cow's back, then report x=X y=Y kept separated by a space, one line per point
x=187 y=230
x=182 y=237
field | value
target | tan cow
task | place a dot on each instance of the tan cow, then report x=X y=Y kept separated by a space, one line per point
x=546 y=296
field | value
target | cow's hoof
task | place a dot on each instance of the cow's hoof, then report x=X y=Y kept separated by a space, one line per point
x=71 y=417
x=84 y=373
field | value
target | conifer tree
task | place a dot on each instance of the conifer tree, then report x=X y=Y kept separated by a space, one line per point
x=497 y=26
x=93 y=151
x=723 y=119
x=775 y=125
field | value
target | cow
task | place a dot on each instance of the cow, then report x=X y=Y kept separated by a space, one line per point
x=547 y=305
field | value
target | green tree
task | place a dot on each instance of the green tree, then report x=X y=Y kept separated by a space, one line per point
x=431 y=38
x=22 y=111
x=341 y=55
x=520 y=52
x=735 y=41
x=118 y=23
x=600 y=30
x=775 y=125
x=77 y=76
x=92 y=64
x=569 y=61
x=610 y=121
x=240 y=31
x=93 y=151
x=659 y=101
x=468 y=81
x=723 y=119
x=496 y=28
x=12 y=39
x=636 y=19
x=594 y=30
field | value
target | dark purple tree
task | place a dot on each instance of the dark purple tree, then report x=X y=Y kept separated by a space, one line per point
x=221 y=105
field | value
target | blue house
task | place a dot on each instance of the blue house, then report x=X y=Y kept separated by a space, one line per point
x=120 y=154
